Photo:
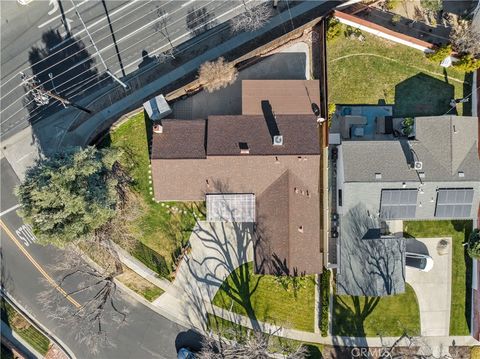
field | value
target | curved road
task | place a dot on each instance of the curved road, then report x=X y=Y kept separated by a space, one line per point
x=146 y=334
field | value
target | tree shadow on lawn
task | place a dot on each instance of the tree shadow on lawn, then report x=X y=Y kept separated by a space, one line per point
x=349 y=318
x=423 y=95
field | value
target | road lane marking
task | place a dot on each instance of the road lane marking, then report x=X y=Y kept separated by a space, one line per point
x=59 y=16
x=36 y=265
x=10 y=209
x=25 y=233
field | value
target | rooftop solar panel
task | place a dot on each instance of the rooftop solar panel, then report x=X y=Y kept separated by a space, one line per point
x=454 y=202
x=398 y=203
x=224 y=207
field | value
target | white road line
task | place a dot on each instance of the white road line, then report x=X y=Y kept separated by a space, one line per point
x=59 y=16
x=187 y=3
x=10 y=209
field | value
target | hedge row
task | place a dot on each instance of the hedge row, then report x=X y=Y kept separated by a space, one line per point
x=325 y=301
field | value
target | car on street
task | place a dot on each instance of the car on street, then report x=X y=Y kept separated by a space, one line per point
x=419 y=261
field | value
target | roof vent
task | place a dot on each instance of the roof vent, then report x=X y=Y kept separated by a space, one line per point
x=418 y=165
x=461 y=174
x=244 y=149
x=278 y=140
x=378 y=176
x=158 y=128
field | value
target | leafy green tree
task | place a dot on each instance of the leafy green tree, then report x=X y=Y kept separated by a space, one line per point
x=334 y=28
x=72 y=194
x=473 y=245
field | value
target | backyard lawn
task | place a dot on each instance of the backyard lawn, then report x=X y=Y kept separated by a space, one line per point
x=161 y=227
x=380 y=70
x=373 y=316
x=461 y=266
x=262 y=297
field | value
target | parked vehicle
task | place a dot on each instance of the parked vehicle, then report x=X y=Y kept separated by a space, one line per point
x=185 y=353
x=419 y=261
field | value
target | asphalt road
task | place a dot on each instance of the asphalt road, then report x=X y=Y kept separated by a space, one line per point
x=47 y=39
x=145 y=334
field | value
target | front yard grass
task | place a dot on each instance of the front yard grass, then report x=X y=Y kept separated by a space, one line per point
x=24 y=329
x=377 y=69
x=461 y=266
x=374 y=316
x=162 y=228
x=262 y=297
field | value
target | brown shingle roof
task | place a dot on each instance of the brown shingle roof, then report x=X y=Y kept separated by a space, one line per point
x=180 y=139
x=225 y=133
x=287 y=97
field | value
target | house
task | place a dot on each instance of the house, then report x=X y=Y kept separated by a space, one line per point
x=430 y=173
x=260 y=167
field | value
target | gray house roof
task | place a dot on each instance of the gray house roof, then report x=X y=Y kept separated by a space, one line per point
x=446 y=145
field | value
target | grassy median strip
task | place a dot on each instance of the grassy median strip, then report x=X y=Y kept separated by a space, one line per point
x=461 y=266
x=230 y=330
x=373 y=70
x=268 y=298
x=24 y=329
x=162 y=229
x=140 y=285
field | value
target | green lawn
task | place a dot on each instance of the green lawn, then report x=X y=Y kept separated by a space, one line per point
x=23 y=328
x=277 y=344
x=461 y=266
x=264 y=298
x=373 y=316
x=380 y=70
x=158 y=227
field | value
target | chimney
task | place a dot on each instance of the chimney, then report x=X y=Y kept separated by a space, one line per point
x=244 y=149
x=158 y=128
x=271 y=120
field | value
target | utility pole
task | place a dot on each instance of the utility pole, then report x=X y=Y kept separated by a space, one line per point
x=42 y=96
x=124 y=85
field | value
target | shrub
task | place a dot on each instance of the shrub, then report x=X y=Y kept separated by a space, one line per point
x=389 y=4
x=325 y=301
x=439 y=54
x=473 y=245
x=334 y=28
x=432 y=5
x=396 y=19
x=331 y=111
x=467 y=63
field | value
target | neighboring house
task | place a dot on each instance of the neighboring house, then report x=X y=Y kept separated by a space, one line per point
x=262 y=167
x=383 y=177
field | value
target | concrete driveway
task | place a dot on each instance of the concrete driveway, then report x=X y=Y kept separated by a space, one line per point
x=433 y=289
x=218 y=248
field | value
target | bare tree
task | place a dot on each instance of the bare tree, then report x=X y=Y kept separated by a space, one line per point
x=88 y=269
x=214 y=75
x=77 y=278
x=253 y=344
x=464 y=38
x=252 y=18
x=161 y=26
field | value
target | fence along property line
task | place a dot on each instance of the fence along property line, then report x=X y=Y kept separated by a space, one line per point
x=381 y=31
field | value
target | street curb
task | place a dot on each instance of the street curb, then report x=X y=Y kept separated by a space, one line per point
x=45 y=331
x=20 y=344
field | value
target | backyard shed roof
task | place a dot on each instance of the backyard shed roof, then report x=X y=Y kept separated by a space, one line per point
x=287 y=97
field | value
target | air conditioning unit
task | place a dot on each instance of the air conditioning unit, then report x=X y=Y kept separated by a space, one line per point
x=278 y=140
x=418 y=166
